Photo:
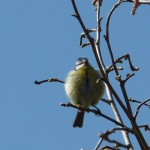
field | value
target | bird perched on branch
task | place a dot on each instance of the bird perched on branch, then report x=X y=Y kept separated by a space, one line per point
x=84 y=87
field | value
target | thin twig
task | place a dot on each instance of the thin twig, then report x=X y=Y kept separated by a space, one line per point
x=108 y=148
x=111 y=53
x=91 y=40
x=106 y=36
x=119 y=60
x=95 y=111
x=118 y=129
x=112 y=56
x=122 y=82
x=127 y=57
x=106 y=101
x=83 y=35
x=116 y=96
x=146 y=127
x=110 y=97
x=108 y=70
x=135 y=6
x=98 y=35
x=138 y=108
x=128 y=76
x=98 y=144
x=48 y=80
x=105 y=136
x=143 y=2
x=136 y=101
x=118 y=144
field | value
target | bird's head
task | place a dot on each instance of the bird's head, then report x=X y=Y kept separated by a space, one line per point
x=81 y=62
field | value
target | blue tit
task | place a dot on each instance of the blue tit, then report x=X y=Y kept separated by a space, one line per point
x=82 y=88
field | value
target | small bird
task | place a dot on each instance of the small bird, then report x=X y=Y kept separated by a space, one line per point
x=84 y=87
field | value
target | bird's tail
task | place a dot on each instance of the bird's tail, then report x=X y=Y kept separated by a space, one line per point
x=78 y=122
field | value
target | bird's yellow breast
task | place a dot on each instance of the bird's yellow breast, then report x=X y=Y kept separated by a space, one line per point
x=82 y=88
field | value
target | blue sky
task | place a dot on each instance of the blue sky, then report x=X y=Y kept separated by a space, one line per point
x=39 y=40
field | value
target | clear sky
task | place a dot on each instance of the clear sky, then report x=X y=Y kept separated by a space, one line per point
x=39 y=39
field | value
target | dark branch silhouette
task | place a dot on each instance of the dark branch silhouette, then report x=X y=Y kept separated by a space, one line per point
x=97 y=112
x=48 y=80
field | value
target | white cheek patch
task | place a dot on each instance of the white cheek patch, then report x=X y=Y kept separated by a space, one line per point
x=80 y=66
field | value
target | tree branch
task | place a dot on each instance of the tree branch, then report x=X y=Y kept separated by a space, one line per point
x=48 y=80
x=146 y=127
x=138 y=108
x=105 y=136
x=136 y=101
x=95 y=111
x=128 y=112
x=143 y=2
x=119 y=60
x=91 y=40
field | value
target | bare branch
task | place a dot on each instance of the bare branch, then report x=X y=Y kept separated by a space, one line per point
x=106 y=101
x=138 y=108
x=118 y=144
x=48 y=80
x=98 y=144
x=95 y=2
x=85 y=44
x=122 y=82
x=128 y=76
x=96 y=50
x=116 y=96
x=95 y=111
x=140 y=2
x=109 y=69
x=106 y=36
x=119 y=60
x=135 y=101
x=135 y=6
x=146 y=127
x=106 y=135
x=118 y=129
x=113 y=60
x=108 y=148
x=127 y=57
x=91 y=40
x=83 y=35
x=109 y=88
